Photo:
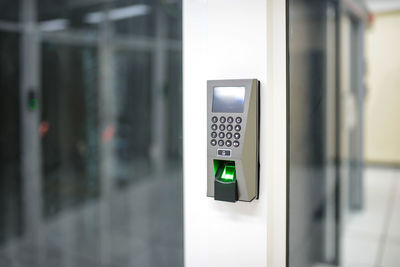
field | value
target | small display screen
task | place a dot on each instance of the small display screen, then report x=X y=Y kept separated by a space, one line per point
x=228 y=99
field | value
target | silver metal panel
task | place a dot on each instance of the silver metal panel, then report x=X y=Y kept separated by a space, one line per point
x=246 y=155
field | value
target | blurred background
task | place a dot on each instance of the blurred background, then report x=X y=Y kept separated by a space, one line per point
x=91 y=136
x=344 y=167
x=91 y=133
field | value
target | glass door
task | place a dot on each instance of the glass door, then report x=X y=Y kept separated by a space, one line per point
x=313 y=230
x=329 y=215
x=91 y=147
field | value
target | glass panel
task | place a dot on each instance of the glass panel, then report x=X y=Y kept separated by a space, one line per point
x=69 y=127
x=10 y=157
x=9 y=11
x=102 y=150
x=313 y=218
x=342 y=213
x=129 y=18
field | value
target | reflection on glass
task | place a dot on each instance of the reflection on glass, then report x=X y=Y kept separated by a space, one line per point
x=93 y=176
x=340 y=212
x=313 y=221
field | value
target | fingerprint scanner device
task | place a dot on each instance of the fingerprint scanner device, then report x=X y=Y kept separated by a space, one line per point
x=233 y=139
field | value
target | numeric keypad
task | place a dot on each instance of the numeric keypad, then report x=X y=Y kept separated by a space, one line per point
x=222 y=134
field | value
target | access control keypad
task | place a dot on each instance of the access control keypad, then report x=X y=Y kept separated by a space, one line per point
x=224 y=129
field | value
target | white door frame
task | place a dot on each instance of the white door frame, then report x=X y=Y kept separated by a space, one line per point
x=235 y=39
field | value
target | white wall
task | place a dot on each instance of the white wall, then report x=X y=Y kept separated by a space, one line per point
x=235 y=39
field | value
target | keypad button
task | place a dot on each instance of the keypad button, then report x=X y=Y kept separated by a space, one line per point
x=229 y=127
x=230 y=119
x=214 y=127
x=222 y=127
x=213 y=135
x=236 y=135
x=214 y=119
x=229 y=135
x=221 y=135
x=222 y=119
x=238 y=119
x=213 y=142
x=237 y=128
x=221 y=142
x=235 y=143
x=228 y=143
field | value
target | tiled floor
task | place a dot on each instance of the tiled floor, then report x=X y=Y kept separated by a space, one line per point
x=128 y=230
x=372 y=237
x=141 y=225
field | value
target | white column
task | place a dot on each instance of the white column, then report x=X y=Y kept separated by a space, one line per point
x=235 y=39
